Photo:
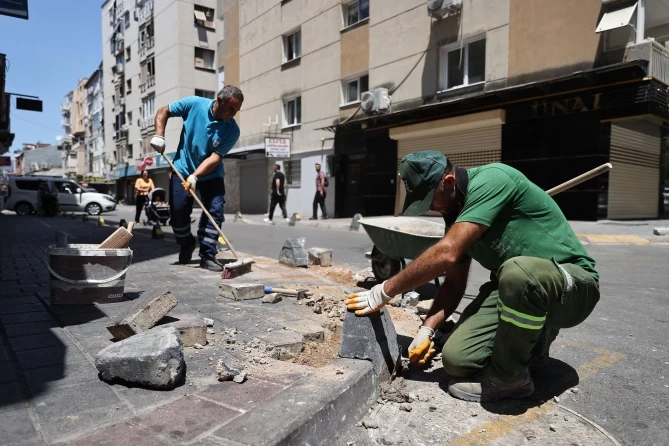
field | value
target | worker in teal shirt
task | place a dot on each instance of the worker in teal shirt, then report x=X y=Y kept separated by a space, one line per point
x=209 y=132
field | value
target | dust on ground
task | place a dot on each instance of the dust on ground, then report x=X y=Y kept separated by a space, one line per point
x=338 y=274
x=318 y=354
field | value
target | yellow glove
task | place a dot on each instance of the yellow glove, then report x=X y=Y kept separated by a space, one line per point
x=422 y=349
x=368 y=301
x=190 y=183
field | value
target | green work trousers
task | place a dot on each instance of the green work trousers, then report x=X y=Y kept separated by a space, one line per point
x=503 y=324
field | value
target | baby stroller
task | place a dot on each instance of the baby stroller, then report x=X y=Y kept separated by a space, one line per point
x=157 y=209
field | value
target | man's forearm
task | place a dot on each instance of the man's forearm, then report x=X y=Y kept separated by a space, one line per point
x=162 y=115
x=207 y=165
x=426 y=267
x=447 y=301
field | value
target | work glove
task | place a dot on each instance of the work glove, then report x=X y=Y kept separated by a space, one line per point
x=190 y=183
x=158 y=143
x=368 y=301
x=422 y=349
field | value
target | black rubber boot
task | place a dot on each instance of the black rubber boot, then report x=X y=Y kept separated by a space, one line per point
x=211 y=265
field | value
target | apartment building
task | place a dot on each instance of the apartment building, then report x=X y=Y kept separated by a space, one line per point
x=154 y=53
x=74 y=114
x=94 y=131
x=552 y=88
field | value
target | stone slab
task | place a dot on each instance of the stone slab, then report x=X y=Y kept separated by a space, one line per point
x=141 y=315
x=242 y=291
x=193 y=330
x=320 y=257
x=373 y=338
x=293 y=252
x=153 y=358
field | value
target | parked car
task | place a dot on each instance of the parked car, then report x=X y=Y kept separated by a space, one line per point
x=72 y=197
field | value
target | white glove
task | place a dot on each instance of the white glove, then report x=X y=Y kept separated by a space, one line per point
x=422 y=349
x=190 y=183
x=368 y=301
x=158 y=143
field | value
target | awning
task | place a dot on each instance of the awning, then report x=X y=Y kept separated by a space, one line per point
x=616 y=18
x=199 y=15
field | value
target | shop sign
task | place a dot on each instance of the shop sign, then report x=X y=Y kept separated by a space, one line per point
x=568 y=106
x=277 y=147
x=146 y=163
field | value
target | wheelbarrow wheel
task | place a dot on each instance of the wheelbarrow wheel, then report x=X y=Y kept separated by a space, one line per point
x=385 y=268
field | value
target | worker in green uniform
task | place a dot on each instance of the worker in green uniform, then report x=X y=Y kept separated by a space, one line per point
x=541 y=280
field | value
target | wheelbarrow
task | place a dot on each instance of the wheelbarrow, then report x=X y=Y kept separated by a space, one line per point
x=398 y=238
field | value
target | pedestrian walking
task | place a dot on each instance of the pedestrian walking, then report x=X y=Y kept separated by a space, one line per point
x=542 y=279
x=143 y=186
x=277 y=194
x=321 y=193
x=209 y=132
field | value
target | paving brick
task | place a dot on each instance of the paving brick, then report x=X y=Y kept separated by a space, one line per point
x=142 y=314
x=245 y=397
x=185 y=419
x=11 y=396
x=310 y=331
x=4 y=356
x=131 y=434
x=7 y=372
x=320 y=257
x=25 y=318
x=192 y=328
x=21 y=308
x=60 y=375
x=29 y=329
x=17 y=299
x=16 y=425
x=41 y=357
x=67 y=401
x=242 y=291
x=65 y=429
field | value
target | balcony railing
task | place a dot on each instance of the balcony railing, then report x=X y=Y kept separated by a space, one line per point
x=145 y=12
x=147 y=45
x=65 y=106
x=150 y=82
x=147 y=123
x=656 y=55
x=121 y=136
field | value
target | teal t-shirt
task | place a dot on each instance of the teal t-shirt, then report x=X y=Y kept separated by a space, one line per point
x=522 y=220
x=201 y=135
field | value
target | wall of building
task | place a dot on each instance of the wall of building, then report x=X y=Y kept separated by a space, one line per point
x=548 y=39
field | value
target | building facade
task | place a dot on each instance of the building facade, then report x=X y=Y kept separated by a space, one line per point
x=552 y=88
x=154 y=53
x=94 y=128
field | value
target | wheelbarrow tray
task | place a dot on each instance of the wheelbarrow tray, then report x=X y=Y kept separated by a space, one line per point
x=402 y=237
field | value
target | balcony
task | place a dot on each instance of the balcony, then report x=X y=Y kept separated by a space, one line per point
x=65 y=122
x=146 y=124
x=146 y=46
x=65 y=106
x=656 y=55
x=150 y=83
x=146 y=12
x=121 y=136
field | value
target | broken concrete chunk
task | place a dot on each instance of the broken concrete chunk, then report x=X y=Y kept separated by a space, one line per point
x=224 y=372
x=661 y=231
x=424 y=306
x=198 y=346
x=271 y=298
x=208 y=322
x=153 y=358
x=240 y=377
x=320 y=257
x=192 y=328
x=372 y=337
x=293 y=252
x=406 y=407
x=242 y=291
x=410 y=299
x=141 y=315
x=368 y=423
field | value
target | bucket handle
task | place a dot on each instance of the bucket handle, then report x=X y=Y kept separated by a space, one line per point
x=87 y=281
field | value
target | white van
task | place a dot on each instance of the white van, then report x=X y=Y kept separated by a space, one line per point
x=72 y=197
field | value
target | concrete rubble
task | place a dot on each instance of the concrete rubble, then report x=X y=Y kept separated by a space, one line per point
x=424 y=306
x=141 y=315
x=153 y=359
x=293 y=253
x=192 y=328
x=241 y=291
x=320 y=257
x=272 y=298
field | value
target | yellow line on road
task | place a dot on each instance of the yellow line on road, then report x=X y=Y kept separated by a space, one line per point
x=627 y=239
x=504 y=424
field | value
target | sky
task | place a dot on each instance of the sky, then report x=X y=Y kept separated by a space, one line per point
x=47 y=55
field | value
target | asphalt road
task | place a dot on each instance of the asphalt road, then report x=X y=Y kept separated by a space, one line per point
x=620 y=352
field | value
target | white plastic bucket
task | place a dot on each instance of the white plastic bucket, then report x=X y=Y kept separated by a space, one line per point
x=82 y=274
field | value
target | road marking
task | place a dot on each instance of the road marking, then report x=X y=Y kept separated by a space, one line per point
x=504 y=424
x=626 y=239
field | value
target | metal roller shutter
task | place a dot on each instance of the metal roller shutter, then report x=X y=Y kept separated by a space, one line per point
x=634 y=181
x=468 y=148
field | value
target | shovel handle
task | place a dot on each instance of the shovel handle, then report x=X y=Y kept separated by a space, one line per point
x=580 y=179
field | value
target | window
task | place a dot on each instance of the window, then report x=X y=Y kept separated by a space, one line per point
x=292 y=46
x=148 y=70
x=205 y=94
x=292 y=110
x=463 y=66
x=204 y=58
x=128 y=89
x=127 y=52
x=128 y=151
x=26 y=184
x=204 y=17
x=130 y=117
x=126 y=19
x=618 y=38
x=354 y=88
x=293 y=173
x=356 y=12
x=148 y=107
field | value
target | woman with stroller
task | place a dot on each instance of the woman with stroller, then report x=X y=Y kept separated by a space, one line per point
x=143 y=186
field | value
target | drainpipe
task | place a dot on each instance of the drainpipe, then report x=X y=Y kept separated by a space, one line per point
x=640 y=21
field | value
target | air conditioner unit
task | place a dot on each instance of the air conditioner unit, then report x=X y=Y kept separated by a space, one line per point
x=376 y=101
x=440 y=8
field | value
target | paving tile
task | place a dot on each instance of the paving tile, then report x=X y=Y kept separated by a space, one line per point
x=30 y=342
x=60 y=375
x=21 y=308
x=16 y=425
x=7 y=372
x=4 y=355
x=74 y=319
x=131 y=435
x=61 y=402
x=11 y=395
x=245 y=397
x=26 y=318
x=142 y=398
x=17 y=299
x=65 y=429
x=29 y=329
x=185 y=419
x=42 y=357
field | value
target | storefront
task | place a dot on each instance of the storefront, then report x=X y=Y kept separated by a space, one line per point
x=159 y=172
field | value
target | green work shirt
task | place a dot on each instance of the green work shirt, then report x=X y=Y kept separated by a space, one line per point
x=522 y=220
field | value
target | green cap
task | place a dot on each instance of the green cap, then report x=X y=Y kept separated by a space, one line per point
x=421 y=173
